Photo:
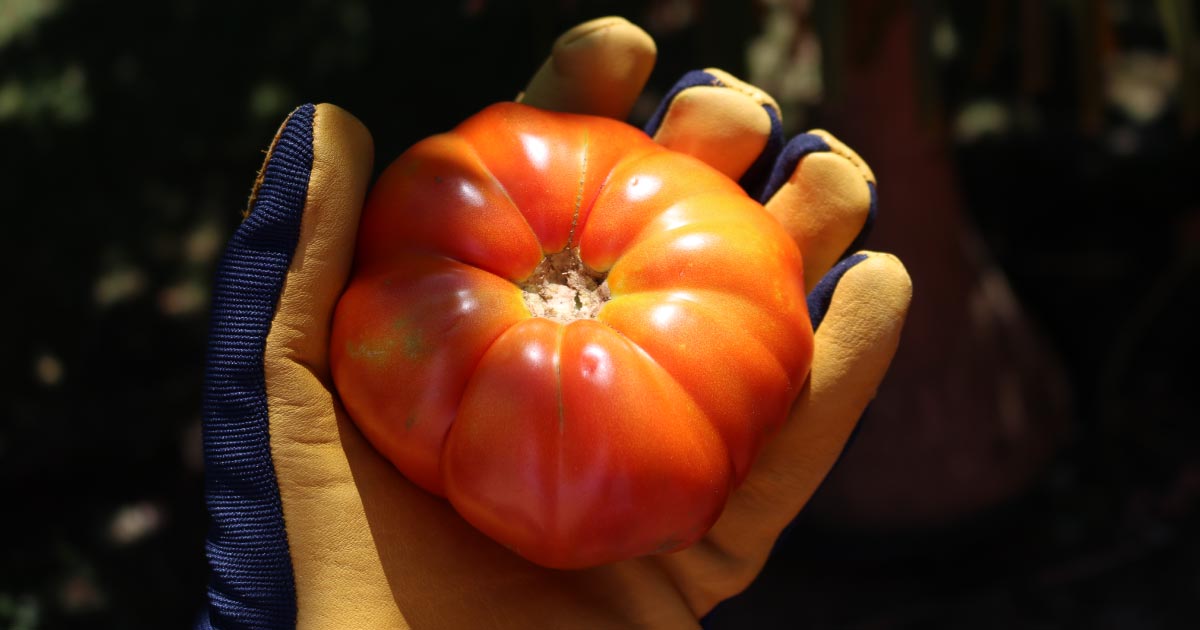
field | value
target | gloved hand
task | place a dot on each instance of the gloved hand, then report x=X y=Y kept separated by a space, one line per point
x=312 y=527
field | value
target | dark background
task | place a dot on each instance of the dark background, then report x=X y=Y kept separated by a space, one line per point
x=130 y=136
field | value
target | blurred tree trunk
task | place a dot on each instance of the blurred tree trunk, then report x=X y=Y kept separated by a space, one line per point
x=975 y=402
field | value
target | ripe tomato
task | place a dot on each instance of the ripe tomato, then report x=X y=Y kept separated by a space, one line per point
x=578 y=337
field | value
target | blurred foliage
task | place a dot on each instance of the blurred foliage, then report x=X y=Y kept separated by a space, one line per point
x=131 y=133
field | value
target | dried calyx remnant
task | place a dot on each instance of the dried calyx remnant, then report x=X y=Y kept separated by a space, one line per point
x=563 y=289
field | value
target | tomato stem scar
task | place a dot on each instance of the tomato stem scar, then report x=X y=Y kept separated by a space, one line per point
x=564 y=289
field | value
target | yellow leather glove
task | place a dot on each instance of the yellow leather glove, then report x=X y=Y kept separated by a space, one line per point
x=313 y=528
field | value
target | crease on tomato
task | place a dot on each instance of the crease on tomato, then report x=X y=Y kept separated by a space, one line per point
x=474 y=153
x=557 y=362
x=560 y=454
x=686 y=439
x=579 y=186
x=652 y=229
x=629 y=161
x=620 y=212
x=696 y=296
x=626 y=161
x=757 y=375
x=437 y=197
x=649 y=358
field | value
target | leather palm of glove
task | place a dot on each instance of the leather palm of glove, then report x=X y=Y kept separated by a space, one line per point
x=313 y=528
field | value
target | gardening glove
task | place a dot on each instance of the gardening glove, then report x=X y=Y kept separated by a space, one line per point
x=311 y=527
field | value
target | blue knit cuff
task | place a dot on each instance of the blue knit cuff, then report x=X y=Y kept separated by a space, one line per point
x=251 y=584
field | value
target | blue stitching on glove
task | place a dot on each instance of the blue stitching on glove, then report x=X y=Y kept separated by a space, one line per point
x=868 y=225
x=689 y=80
x=822 y=294
x=785 y=164
x=756 y=178
x=252 y=585
x=796 y=149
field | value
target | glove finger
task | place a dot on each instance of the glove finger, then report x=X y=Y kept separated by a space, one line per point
x=342 y=159
x=306 y=433
x=598 y=68
x=857 y=338
x=852 y=350
x=722 y=120
x=824 y=195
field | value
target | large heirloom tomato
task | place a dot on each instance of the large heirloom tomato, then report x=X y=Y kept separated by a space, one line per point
x=579 y=338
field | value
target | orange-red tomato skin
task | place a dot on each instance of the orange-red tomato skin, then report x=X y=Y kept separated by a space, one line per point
x=581 y=443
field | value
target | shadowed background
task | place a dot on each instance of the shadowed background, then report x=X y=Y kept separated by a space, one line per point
x=1032 y=461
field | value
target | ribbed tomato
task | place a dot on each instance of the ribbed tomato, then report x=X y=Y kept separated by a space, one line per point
x=578 y=337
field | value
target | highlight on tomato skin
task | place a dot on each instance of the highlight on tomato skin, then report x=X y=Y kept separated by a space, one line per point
x=579 y=338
